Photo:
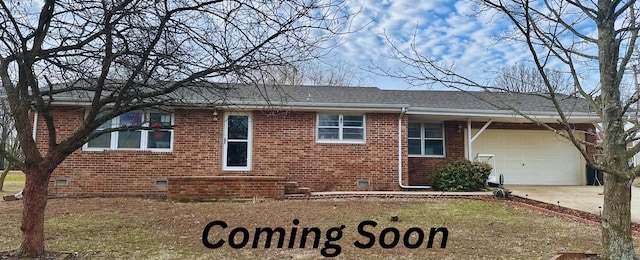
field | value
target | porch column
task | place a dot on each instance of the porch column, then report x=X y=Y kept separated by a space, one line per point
x=470 y=139
x=469 y=152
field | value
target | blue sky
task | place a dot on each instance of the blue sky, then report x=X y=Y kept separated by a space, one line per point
x=447 y=30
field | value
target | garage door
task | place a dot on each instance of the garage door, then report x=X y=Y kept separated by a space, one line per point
x=532 y=157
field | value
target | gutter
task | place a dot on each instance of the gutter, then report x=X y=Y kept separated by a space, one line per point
x=319 y=107
x=299 y=106
x=364 y=107
x=499 y=113
x=402 y=113
x=306 y=104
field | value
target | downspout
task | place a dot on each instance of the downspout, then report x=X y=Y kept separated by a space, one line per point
x=402 y=113
x=35 y=125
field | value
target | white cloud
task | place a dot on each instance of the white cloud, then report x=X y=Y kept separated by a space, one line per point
x=455 y=32
x=444 y=29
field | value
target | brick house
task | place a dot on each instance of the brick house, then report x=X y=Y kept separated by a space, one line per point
x=290 y=139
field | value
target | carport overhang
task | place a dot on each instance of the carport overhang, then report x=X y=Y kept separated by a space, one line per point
x=493 y=116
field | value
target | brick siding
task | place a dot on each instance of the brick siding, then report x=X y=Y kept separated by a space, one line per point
x=225 y=187
x=421 y=169
x=197 y=142
x=283 y=145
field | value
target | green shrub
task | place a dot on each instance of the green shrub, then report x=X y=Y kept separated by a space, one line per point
x=462 y=175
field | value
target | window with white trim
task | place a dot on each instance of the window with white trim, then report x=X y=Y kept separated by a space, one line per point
x=153 y=140
x=340 y=128
x=426 y=139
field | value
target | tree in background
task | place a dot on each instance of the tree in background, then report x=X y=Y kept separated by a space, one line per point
x=127 y=55
x=527 y=79
x=579 y=38
x=10 y=152
x=315 y=73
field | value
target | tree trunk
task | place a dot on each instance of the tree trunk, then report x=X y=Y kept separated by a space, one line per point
x=3 y=176
x=35 y=202
x=616 y=218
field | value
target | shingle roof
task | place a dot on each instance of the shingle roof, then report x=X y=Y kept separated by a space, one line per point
x=371 y=97
x=416 y=99
x=311 y=94
x=489 y=101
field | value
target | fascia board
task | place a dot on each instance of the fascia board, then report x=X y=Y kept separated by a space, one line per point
x=500 y=113
x=70 y=103
x=308 y=106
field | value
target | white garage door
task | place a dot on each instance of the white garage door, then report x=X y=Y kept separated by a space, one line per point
x=532 y=157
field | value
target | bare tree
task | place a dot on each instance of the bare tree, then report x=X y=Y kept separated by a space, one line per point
x=315 y=72
x=582 y=36
x=121 y=56
x=527 y=79
x=340 y=73
x=8 y=143
x=14 y=159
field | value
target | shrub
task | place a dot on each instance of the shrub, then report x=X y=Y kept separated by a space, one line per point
x=462 y=175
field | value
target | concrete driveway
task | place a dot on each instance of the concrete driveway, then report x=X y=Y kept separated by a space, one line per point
x=584 y=198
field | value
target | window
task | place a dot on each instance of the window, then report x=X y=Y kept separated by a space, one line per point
x=130 y=139
x=237 y=142
x=159 y=139
x=341 y=128
x=103 y=141
x=426 y=139
x=154 y=140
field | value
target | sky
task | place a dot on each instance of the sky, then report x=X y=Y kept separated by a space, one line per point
x=452 y=31
x=447 y=30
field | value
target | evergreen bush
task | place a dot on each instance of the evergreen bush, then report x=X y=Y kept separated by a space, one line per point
x=461 y=175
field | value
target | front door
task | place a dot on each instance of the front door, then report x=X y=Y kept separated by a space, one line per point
x=237 y=142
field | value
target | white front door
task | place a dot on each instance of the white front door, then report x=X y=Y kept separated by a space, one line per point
x=237 y=142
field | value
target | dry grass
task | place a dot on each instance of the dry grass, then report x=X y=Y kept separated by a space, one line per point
x=13 y=183
x=132 y=228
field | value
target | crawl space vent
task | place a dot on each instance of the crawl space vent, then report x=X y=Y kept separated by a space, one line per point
x=363 y=183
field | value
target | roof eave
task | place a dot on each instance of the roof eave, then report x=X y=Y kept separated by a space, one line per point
x=318 y=106
x=372 y=107
x=309 y=106
x=507 y=114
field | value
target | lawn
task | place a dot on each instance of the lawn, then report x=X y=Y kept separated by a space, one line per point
x=13 y=183
x=134 y=228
